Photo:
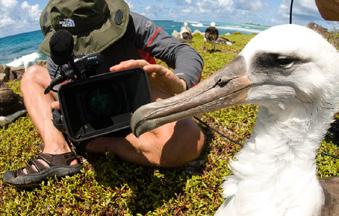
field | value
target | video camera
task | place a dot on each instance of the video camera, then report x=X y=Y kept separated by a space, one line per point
x=93 y=104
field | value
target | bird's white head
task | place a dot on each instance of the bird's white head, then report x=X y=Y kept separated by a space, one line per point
x=287 y=67
x=292 y=65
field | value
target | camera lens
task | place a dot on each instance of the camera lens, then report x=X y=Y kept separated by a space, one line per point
x=103 y=101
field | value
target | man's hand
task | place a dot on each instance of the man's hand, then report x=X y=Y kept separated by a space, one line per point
x=161 y=78
x=55 y=105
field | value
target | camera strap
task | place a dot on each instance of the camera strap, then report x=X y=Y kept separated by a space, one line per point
x=58 y=120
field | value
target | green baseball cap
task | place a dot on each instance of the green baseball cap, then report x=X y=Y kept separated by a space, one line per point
x=94 y=24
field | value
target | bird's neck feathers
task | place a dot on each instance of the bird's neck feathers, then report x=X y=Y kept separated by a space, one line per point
x=287 y=140
x=275 y=172
x=336 y=100
x=288 y=133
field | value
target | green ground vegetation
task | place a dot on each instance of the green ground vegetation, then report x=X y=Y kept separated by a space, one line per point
x=109 y=186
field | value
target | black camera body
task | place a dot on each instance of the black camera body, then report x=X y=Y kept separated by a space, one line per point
x=103 y=103
x=93 y=105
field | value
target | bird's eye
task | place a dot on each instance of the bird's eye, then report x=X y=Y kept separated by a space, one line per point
x=285 y=61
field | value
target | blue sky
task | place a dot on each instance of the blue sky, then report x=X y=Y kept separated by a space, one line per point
x=23 y=16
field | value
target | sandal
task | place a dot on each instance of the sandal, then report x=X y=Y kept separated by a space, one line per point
x=57 y=166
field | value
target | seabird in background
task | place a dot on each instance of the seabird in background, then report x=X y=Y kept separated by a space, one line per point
x=185 y=34
x=211 y=35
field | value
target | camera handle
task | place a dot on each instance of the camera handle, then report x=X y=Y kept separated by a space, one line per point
x=63 y=76
x=58 y=120
x=54 y=82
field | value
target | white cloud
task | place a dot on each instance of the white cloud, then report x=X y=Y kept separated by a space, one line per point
x=303 y=11
x=18 y=17
x=222 y=10
x=308 y=6
x=226 y=4
x=201 y=10
x=301 y=7
x=253 y=5
x=131 y=6
x=212 y=6
x=186 y=10
x=5 y=21
x=8 y=4
x=33 y=11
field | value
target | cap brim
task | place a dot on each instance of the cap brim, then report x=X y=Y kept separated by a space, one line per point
x=98 y=39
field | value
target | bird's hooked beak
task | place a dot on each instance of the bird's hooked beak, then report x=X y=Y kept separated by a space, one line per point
x=228 y=86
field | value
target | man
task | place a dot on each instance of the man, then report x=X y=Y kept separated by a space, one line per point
x=126 y=40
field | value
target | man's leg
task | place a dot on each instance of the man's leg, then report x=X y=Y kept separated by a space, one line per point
x=170 y=145
x=38 y=106
x=56 y=158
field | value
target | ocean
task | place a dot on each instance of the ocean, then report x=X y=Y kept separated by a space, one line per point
x=22 y=49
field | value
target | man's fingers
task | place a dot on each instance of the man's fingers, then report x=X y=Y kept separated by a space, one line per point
x=158 y=70
x=140 y=63
x=154 y=68
x=55 y=105
x=129 y=64
x=161 y=77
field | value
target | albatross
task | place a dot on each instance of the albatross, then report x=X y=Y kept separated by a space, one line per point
x=292 y=73
x=185 y=34
x=211 y=35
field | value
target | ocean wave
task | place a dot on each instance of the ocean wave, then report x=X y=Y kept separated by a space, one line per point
x=193 y=21
x=26 y=60
x=240 y=29
x=197 y=25
x=230 y=27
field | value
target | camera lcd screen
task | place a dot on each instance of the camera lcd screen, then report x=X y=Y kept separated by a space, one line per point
x=102 y=104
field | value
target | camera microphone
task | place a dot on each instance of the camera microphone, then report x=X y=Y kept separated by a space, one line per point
x=61 y=45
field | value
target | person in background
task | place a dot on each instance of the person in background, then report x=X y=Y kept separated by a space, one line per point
x=126 y=40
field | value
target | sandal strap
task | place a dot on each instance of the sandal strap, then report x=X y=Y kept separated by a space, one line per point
x=38 y=164
x=19 y=172
x=58 y=159
x=50 y=159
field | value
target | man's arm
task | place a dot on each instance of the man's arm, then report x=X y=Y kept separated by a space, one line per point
x=185 y=61
x=329 y=9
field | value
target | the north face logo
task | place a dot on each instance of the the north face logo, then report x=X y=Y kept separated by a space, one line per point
x=67 y=23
